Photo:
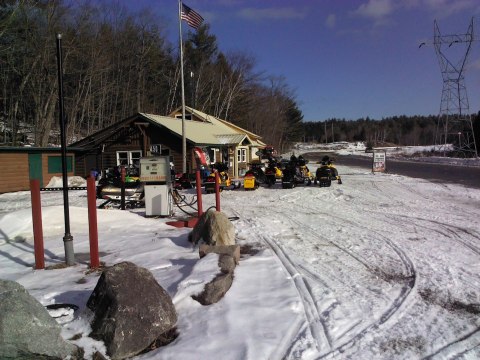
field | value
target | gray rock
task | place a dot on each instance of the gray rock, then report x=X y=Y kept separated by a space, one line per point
x=218 y=287
x=131 y=310
x=226 y=263
x=213 y=228
x=215 y=289
x=232 y=250
x=27 y=331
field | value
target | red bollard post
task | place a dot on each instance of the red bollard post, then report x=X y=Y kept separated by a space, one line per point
x=199 y=194
x=217 y=191
x=123 y=174
x=37 y=224
x=92 y=222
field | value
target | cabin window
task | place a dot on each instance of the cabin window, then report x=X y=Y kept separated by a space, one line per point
x=129 y=158
x=242 y=155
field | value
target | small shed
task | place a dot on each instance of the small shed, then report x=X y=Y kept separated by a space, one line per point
x=19 y=165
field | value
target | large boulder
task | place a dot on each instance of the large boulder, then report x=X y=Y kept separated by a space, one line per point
x=213 y=228
x=27 y=331
x=131 y=310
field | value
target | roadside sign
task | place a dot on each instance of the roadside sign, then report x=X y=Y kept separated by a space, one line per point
x=379 y=161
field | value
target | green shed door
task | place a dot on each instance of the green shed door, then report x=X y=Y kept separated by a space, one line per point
x=35 y=167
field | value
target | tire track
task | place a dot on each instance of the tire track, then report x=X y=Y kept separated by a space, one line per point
x=350 y=340
x=410 y=280
x=316 y=322
x=451 y=231
x=464 y=338
x=411 y=190
x=406 y=289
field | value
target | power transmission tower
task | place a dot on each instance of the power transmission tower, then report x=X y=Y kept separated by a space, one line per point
x=454 y=126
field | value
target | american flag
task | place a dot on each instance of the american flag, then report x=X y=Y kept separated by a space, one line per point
x=191 y=17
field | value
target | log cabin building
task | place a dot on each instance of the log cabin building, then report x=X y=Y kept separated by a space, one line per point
x=125 y=142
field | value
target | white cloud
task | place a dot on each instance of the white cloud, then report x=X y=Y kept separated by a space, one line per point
x=272 y=13
x=445 y=8
x=375 y=9
x=331 y=21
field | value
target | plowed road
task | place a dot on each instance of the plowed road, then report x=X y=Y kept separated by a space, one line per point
x=463 y=175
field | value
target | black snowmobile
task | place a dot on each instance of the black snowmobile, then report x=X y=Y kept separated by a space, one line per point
x=296 y=172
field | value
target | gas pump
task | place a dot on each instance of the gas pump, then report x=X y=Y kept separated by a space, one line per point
x=155 y=174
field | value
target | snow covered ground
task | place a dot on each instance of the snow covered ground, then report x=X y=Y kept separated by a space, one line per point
x=412 y=153
x=380 y=267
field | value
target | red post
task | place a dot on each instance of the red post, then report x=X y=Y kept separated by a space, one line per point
x=37 y=224
x=217 y=191
x=123 y=173
x=122 y=187
x=199 y=193
x=92 y=222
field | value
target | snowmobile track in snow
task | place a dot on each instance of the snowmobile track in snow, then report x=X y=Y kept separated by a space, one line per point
x=316 y=322
x=451 y=231
x=455 y=342
x=409 y=285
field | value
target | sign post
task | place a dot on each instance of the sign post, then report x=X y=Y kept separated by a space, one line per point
x=379 y=161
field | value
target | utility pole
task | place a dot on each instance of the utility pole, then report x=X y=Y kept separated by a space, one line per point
x=326 y=137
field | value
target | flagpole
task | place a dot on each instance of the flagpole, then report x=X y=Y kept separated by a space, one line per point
x=184 y=138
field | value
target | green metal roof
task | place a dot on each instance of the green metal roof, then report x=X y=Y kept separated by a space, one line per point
x=210 y=131
x=231 y=139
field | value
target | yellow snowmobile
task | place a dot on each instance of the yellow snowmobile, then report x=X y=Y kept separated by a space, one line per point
x=272 y=172
x=225 y=181
x=326 y=173
x=254 y=177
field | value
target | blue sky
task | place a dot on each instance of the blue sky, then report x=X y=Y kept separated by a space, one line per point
x=343 y=59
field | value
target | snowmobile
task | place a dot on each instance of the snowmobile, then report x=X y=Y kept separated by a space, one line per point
x=189 y=181
x=304 y=170
x=326 y=173
x=267 y=153
x=225 y=181
x=249 y=182
x=296 y=172
x=184 y=181
x=109 y=188
x=254 y=177
x=289 y=180
x=272 y=172
x=134 y=195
